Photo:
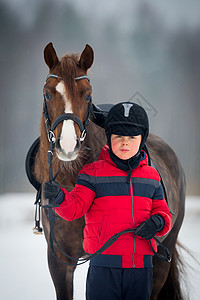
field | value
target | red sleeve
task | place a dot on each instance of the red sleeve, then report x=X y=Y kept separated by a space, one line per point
x=77 y=202
x=160 y=207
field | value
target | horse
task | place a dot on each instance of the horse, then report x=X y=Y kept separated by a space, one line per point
x=68 y=92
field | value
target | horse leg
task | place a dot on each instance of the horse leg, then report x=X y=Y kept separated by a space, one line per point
x=166 y=285
x=172 y=288
x=160 y=274
x=69 y=236
x=166 y=279
x=62 y=277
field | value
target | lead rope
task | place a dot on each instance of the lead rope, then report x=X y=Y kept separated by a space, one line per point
x=112 y=240
x=168 y=257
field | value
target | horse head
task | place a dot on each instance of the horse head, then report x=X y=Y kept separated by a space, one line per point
x=68 y=93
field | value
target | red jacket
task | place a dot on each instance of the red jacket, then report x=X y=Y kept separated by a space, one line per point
x=111 y=204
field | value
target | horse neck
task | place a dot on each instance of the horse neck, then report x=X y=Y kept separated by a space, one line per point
x=95 y=140
x=41 y=161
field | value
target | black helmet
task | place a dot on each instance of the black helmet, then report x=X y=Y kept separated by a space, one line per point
x=127 y=119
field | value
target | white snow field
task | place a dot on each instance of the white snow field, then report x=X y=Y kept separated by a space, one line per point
x=23 y=263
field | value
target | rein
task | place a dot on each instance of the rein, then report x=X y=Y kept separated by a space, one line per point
x=108 y=243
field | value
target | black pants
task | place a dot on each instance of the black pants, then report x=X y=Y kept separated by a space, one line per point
x=104 y=283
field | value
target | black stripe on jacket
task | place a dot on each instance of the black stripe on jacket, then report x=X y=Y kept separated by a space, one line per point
x=118 y=186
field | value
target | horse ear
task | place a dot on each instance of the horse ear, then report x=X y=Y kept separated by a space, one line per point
x=50 y=56
x=87 y=58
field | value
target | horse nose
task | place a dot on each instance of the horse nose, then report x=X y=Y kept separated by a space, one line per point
x=70 y=154
x=67 y=155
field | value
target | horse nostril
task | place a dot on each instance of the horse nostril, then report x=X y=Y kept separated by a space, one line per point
x=58 y=146
x=78 y=144
x=70 y=154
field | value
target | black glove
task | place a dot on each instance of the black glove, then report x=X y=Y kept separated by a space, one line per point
x=149 y=228
x=53 y=192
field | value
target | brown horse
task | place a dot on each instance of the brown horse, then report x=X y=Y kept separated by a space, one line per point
x=68 y=92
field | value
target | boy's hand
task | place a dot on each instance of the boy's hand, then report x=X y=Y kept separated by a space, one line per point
x=148 y=228
x=53 y=192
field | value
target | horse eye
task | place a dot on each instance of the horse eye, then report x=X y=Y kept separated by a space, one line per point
x=48 y=96
x=88 y=98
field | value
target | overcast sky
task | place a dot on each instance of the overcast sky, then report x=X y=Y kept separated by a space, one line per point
x=173 y=12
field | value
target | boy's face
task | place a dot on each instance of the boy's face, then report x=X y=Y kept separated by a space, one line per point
x=125 y=147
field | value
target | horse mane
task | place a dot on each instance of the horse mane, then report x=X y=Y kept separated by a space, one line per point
x=69 y=70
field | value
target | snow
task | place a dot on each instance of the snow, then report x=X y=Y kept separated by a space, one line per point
x=24 y=272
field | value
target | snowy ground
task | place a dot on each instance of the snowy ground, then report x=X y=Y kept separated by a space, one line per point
x=23 y=265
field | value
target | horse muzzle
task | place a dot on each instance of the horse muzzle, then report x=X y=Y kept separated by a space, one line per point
x=62 y=153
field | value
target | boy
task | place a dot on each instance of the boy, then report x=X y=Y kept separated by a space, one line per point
x=119 y=191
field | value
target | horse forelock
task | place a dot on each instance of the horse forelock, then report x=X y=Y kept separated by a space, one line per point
x=69 y=69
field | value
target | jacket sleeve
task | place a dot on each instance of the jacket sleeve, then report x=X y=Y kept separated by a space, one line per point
x=160 y=208
x=77 y=202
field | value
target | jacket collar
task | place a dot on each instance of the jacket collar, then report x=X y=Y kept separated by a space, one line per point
x=104 y=155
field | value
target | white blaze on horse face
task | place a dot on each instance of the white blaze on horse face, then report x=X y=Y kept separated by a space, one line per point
x=68 y=138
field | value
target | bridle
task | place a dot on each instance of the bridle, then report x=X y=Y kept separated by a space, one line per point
x=51 y=137
x=66 y=116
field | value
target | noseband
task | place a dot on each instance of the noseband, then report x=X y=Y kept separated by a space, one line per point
x=66 y=116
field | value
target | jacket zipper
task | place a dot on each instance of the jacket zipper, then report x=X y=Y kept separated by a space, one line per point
x=131 y=189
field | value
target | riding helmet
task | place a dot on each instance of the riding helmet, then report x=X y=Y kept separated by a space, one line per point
x=127 y=119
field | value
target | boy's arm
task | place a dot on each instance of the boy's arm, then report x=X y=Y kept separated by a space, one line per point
x=160 y=221
x=76 y=203
x=160 y=208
